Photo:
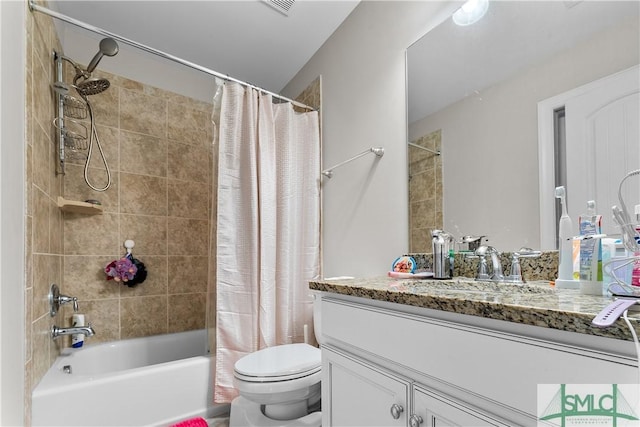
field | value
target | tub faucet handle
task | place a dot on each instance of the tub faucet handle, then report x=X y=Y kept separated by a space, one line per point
x=56 y=299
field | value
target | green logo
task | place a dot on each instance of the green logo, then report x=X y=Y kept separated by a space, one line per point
x=594 y=405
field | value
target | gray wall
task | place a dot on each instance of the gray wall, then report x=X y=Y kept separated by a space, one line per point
x=365 y=217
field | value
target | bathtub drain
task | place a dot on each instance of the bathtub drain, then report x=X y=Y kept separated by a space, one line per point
x=66 y=369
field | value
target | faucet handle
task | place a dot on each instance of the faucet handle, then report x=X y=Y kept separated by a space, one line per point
x=56 y=300
x=63 y=299
x=515 y=274
x=483 y=269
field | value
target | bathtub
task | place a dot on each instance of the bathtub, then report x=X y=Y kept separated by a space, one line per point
x=154 y=381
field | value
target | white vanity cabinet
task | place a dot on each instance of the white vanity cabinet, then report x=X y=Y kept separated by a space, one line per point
x=387 y=364
x=362 y=394
x=356 y=393
x=433 y=410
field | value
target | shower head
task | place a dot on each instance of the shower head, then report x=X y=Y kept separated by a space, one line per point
x=108 y=47
x=90 y=87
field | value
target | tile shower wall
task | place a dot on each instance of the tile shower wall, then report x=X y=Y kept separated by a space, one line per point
x=158 y=146
x=425 y=192
x=44 y=223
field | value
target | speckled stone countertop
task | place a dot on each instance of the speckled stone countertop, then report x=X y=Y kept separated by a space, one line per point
x=532 y=303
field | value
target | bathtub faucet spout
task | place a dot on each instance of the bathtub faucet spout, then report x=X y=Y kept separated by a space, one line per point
x=84 y=330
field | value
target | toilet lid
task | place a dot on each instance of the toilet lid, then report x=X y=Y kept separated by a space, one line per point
x=280 y=361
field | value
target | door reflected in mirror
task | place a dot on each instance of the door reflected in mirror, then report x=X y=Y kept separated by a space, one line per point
x=473 y=94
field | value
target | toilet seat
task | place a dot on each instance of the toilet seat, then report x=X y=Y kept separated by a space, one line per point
x=280 y=363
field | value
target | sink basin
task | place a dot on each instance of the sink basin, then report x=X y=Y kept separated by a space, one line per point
x=462 y=284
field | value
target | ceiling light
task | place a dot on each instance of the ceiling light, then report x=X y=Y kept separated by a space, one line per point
x=470 y=12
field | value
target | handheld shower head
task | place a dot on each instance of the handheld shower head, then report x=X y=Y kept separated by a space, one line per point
x=108 y=47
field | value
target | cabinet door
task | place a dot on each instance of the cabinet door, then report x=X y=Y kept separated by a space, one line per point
x=359 y=394
x=436 y=411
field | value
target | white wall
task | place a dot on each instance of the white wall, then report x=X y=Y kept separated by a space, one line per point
x=12 y=195
x=490 y=141
x=364 y=105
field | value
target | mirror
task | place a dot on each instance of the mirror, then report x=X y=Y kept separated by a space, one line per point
x=473 y=94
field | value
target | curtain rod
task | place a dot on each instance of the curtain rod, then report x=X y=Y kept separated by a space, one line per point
x=35 y=7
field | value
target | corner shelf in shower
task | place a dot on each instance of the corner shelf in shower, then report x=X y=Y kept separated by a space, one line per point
x=78 y=207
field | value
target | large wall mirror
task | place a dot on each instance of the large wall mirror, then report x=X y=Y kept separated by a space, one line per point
x=474 y=93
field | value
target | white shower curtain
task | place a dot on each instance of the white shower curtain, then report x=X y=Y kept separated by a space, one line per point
x=268 y=227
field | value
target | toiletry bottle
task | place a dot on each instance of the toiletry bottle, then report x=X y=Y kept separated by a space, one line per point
x=590 y=251
x=77 y=340
x=635 y=274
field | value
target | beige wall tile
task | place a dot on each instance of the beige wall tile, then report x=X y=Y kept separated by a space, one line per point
x=106 y=105
x=40 y=357
x=143 y=316
x=188 y=199
x=188 y=163
x=104 y=316
x=109 y=139
x=28 y=252
x=28 y=310
x=85 y=279
x=41 y=216
x=29 y=179
x=148 y=232
x=76 y=189
x=156 y=281
x=56 y=229
x=42 y=96
x=42 y=160
x=188 y=236
x=187 y=312
x=143 y=154
x=188 y=125
x=91 y=234
x=143 y=114
x=141 y=194
x=187 y=274
x=41 y=282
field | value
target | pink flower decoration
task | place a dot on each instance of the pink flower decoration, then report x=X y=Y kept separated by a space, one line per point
x=120 y=270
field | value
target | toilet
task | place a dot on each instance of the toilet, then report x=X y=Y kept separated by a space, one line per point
x=279 y=386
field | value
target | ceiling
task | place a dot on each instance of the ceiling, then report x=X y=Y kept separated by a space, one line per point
x=245 y=39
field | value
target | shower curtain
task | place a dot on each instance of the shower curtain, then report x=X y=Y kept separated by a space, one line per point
x=268 y=227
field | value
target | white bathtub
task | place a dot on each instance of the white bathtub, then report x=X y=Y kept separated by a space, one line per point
x=154 y=381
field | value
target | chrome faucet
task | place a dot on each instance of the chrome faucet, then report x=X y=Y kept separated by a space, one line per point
x=496 y=265
x=84 y=330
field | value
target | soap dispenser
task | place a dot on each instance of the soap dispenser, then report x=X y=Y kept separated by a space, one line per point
x=441 y=244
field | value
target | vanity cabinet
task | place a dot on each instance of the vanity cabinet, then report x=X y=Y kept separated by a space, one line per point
x=387 y=364
x=362 y=394
x=434 y=410
x=356 y=393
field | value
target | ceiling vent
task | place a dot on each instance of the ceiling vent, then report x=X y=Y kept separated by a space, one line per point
x=281 y=6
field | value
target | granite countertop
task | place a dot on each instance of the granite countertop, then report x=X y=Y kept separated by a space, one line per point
x=533 y=303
